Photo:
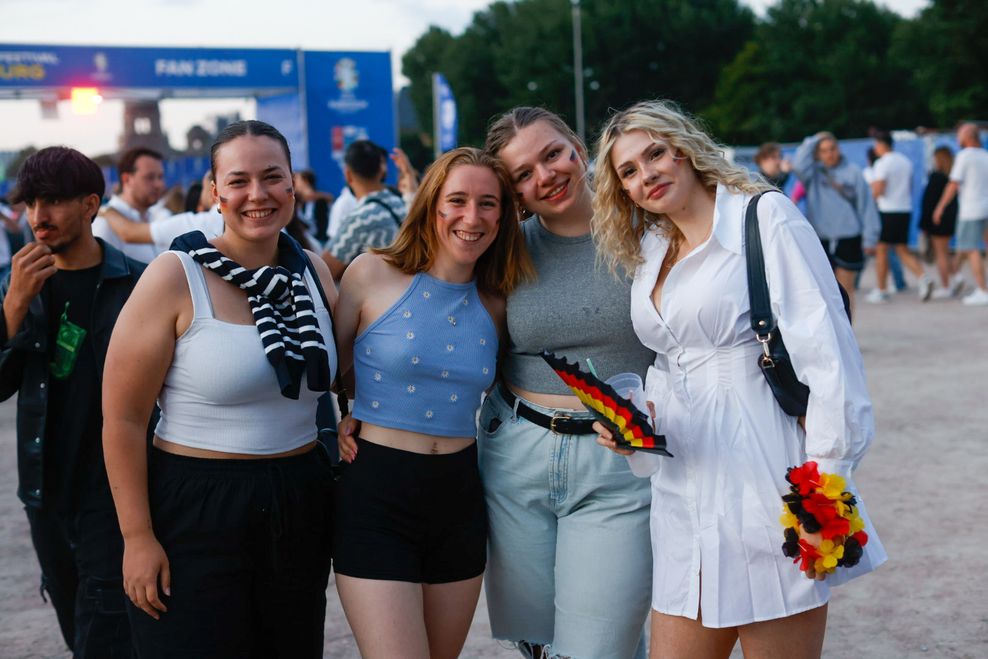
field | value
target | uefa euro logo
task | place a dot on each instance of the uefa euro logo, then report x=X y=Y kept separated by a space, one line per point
x=347 y=80
x=101 y=64
x=346 y=74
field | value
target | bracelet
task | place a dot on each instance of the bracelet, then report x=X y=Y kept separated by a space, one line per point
x=818 y=503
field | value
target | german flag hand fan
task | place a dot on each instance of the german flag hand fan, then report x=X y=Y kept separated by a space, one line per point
x=626 y=422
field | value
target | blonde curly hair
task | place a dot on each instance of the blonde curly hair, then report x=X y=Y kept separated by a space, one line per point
x=618 y=225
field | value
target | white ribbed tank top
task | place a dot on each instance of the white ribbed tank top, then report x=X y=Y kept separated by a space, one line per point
x=221 y=393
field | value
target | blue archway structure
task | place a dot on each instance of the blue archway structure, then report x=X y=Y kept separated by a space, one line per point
x=320 y=100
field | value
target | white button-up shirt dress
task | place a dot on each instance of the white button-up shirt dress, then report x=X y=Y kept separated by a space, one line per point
x=716 y=535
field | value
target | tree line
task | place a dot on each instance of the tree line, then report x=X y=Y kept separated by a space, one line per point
x=807 y=65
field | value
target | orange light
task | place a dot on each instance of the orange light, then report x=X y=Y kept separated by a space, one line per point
x=85 y=100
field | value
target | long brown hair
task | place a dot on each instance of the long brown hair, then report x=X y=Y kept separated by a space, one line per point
x=504 y=264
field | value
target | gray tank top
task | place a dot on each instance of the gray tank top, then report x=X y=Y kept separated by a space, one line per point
x=574 y=309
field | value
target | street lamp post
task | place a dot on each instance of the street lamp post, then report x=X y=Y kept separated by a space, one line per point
x=578 y=69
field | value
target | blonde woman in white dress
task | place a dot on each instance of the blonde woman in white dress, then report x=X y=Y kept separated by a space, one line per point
x=671 y=208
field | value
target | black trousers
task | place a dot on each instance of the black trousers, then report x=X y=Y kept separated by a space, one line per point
x=248 y=544
x=81 y=554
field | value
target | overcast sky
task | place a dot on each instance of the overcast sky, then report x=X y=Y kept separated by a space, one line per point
x=307 y=24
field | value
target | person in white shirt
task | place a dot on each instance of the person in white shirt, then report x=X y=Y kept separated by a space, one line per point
x=343 y=206
x=969 y=183
x=142 y=183
x=893 y=261
x=891 y=185
x=162 y=232
x=670 y=208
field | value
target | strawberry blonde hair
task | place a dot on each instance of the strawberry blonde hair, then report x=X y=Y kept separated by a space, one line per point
x=504 y=264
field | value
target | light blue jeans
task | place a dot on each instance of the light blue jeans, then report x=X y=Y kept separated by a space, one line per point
x=570 y=560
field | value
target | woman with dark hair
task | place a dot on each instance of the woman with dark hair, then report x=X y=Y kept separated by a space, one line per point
x=420 y=323
x=569 y=528
x=192 y=198
x=234 y=338
x=671 y=208
x=940 y=233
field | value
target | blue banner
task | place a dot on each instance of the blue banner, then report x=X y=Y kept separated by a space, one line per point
x=37 y=67
x=348 y=97
x=444 y=107
x=284 y=112
x=321 y=101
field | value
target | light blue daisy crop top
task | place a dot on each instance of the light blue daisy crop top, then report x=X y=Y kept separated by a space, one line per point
x=425 y=363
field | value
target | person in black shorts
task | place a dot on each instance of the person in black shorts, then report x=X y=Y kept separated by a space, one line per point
x=891 y=185
x=839 y=205
x=419 y=324
x=845 y=253
x=940 y=233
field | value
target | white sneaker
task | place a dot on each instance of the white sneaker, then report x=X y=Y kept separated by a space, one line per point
x=942 y=294
x=925 y=288
x=979 y=298
x=877 y=296
x=956 y=284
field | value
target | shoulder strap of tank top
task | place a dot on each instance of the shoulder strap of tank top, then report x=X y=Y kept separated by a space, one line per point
x=202 y=305
x=342 y=400
x=313 y=284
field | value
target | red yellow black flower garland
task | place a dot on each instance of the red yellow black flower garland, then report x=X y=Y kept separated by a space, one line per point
x=818 y=503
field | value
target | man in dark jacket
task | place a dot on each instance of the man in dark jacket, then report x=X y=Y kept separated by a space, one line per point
x=60 y=303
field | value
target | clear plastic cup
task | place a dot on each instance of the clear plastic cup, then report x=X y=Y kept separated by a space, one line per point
x=629 y=385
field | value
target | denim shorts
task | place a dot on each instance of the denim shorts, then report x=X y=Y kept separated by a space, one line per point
x=569 y=556
x=970 y=234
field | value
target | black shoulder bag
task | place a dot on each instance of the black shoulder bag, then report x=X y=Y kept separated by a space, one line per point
x=774 y=360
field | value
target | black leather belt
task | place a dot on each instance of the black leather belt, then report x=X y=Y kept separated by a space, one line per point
x=561 y=424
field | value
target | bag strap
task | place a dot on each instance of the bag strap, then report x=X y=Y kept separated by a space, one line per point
x=338 y=378
x=382 y=204
x=762 y=320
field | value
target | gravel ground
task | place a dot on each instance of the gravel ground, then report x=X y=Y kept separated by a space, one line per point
x=924 y=482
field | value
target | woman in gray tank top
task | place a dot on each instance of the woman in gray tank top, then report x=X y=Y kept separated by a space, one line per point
x=560 y=513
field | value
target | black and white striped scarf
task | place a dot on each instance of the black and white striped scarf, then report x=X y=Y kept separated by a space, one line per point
x=282 y=307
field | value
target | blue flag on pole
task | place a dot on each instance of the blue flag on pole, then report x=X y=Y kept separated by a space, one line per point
x=444 y=114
